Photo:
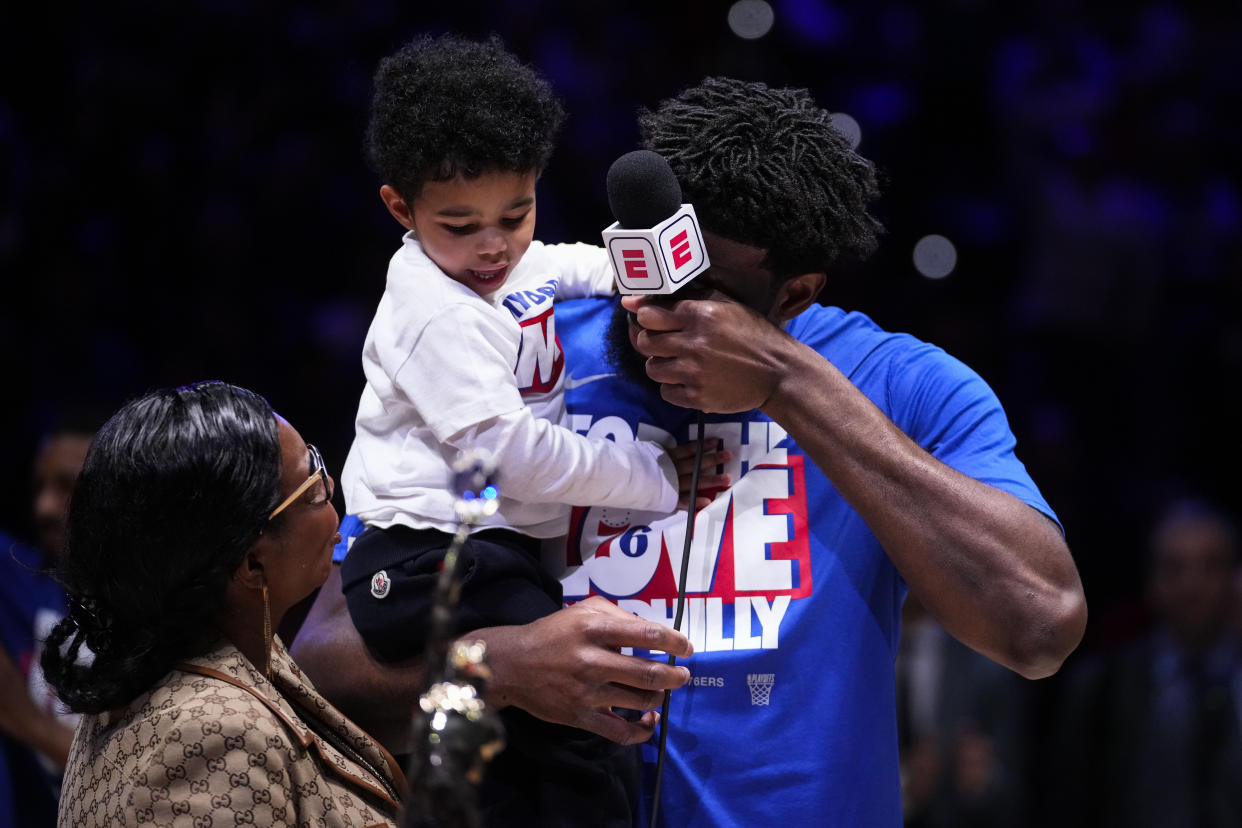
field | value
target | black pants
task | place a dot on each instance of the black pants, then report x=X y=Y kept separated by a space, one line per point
x=502 y=583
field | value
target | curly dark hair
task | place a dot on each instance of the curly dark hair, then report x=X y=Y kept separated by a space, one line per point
x=176 y=487
x=766 y=167
x=447 y=106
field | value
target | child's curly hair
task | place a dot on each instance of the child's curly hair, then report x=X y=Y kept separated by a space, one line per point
x=766 y=167
x=448 y=106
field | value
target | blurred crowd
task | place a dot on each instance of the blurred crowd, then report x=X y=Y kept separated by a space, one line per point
x=184 y=197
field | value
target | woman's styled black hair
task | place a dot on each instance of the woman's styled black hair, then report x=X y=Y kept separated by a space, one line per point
x=766 y=167
x=447 y=106
x=176 y=487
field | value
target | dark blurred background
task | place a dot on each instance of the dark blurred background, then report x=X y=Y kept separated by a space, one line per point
x=184 y=196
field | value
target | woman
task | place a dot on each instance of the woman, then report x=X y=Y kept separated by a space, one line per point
x=199 y=519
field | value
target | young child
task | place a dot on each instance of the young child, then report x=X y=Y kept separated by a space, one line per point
x=462 y=354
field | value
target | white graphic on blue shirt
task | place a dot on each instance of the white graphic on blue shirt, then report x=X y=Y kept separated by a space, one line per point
x=749 y=556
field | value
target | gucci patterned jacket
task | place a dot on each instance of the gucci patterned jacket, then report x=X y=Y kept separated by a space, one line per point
x=215 y=743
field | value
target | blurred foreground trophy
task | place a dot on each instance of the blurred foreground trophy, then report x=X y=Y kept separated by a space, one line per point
x=455 y=734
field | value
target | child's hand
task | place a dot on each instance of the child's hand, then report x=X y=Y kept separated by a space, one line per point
x=713 y=456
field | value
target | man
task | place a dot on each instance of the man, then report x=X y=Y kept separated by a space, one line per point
x=34 y=732
x=1149 y=733
x=865 y=463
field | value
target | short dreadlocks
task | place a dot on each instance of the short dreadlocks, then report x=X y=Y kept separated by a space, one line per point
x=767 y=168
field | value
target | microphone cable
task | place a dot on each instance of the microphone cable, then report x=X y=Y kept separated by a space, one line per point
x=691 y=514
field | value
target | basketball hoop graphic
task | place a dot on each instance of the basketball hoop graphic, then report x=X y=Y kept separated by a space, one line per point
x=760 y=685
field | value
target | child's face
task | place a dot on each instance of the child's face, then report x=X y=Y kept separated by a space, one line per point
x=478 y=229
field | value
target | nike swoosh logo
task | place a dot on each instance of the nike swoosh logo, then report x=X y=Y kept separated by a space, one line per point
x=575 y=382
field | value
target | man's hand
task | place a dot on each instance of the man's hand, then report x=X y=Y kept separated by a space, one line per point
x=567 y=668
x=713 y=354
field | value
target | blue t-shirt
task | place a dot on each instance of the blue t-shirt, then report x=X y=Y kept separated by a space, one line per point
x=351 y=528
x=30 y=605
x=792 y=605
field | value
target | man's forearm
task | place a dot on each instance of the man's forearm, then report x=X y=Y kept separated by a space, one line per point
x=565 y=668
x=995 y=572
x=992 y=570
x=378 y=697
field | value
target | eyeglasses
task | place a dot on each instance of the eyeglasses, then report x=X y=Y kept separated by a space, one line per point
x=318 y=472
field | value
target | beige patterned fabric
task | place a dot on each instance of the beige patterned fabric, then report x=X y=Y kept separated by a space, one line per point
x=214 y=744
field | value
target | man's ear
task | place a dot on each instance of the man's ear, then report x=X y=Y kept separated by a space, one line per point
x=397 y=206
x=795 y=295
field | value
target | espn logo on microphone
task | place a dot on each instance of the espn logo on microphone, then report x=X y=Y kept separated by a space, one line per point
x=658 y=260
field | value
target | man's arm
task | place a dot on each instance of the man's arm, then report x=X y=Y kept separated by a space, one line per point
x=379 y=697
x=564 y=668
x=994 y=572
x=25 y=721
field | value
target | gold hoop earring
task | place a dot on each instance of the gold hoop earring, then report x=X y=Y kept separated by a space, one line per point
x=267 y=636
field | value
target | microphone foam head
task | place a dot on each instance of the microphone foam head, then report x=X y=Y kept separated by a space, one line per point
x=642 y=189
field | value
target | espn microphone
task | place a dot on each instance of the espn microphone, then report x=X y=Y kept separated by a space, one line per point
x=655 y=243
